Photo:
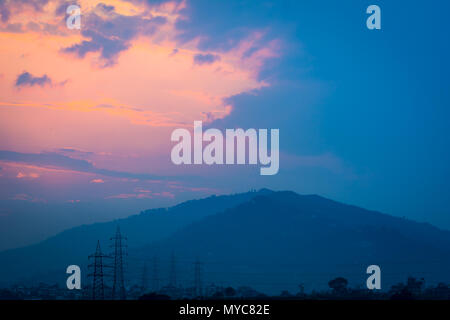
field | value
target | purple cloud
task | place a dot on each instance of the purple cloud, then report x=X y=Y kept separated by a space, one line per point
x=13 y=28
x=27 y=79
x=53 y=159
x=5 y=12
x=208 y=58
x=110 y=33
x=6 y=6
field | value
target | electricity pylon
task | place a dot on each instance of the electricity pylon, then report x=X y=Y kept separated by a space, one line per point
x=173 y=272
x=118 y=290
x=155 y=278
x=198 y=278
x=144 y=278
x=98 y=287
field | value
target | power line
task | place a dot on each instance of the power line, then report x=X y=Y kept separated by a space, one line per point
x=293 y=264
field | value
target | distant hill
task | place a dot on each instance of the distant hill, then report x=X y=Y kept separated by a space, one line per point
x=45 y=260
x=268 y=240
x=280 y=240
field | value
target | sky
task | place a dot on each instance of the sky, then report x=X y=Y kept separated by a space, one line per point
x=86 y=115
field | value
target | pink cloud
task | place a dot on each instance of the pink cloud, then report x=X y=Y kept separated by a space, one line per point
x=165 y=194
x=31 y=175
x=97 y=181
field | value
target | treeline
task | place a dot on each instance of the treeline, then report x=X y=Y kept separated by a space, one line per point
x=412 y=289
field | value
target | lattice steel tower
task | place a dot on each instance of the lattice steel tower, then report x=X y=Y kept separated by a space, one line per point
x=173 y=272
x=118 y=290
x=155 y=278
x=98 y=288
x=144 y=278
x=198 y=277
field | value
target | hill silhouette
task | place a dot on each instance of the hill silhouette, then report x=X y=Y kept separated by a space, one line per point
x=48 y=259
x=280 y=240
x=268 y=240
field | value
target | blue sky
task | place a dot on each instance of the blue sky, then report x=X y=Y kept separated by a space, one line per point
x=376 y=99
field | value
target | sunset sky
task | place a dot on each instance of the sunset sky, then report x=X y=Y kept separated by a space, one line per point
x=86 y=115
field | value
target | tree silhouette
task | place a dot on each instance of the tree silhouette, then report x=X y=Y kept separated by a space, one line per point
x=339 y=285
x=230 y=292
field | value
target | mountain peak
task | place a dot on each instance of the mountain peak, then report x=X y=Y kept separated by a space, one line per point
x=265 y=191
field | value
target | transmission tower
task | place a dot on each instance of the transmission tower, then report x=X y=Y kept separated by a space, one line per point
x=118 y=290
x=198 y=277
x=98 y=288
x=144 y=278
x=155 y=278
x=173 y=272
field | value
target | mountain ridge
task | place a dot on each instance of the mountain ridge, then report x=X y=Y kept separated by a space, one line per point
x=246 y=233
x=251 y=239
x=16 y=261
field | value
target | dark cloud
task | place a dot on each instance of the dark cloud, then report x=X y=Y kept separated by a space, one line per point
x=105 y=8
x=154 y=2
x=52 y=159
x=207 y=58
x=60 y=10
x=27 y=79
x=33 y=26
x=109 y=48
x=9 y=6
x=5 y=12
x=13 y=27
x=221 y=25
x=110 y=33
x=45 y=28
x=46 y=159
x=37 y=5
x=73 y=151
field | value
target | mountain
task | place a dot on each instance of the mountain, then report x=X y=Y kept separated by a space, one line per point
x=45 y=260
x=267 y=240
x=280 y=240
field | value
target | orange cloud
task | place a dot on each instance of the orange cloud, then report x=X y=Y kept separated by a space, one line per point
x=129 y=108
